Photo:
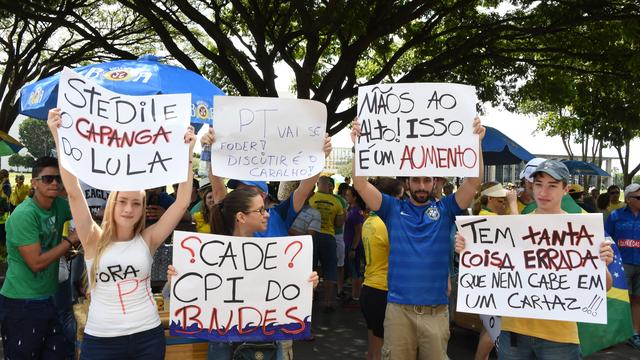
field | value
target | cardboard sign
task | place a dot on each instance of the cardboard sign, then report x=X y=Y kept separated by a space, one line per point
x=421 y=129
x=533 y=266
x=120 y=142
x=268 y=139
x=241 y=289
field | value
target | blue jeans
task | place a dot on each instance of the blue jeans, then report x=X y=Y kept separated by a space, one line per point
x=513 y=346
x=64 y=308
x=31 y=329
x=144 y=345
x=224 y=351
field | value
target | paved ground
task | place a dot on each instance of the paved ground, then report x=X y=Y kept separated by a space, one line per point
x=342 y=335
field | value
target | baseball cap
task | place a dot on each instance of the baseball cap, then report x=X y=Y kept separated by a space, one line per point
x=631 y=189
x=553 y=168
x=262 y=185
x=530 y=167
x=494 y=191
x=576 y=188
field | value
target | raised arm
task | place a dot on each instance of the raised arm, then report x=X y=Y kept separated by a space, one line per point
x=466 y=192
x=217 y=184
x=158 y=232
x=307 y=185
x=88 y=231
x=371 y=196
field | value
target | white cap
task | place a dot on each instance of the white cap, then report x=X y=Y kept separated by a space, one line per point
x=530 y=168
x=495 y=191
x=631 y=189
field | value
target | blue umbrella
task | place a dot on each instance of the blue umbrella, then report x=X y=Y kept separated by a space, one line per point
x=145 y=76
x=577 y=167
x=499 y=149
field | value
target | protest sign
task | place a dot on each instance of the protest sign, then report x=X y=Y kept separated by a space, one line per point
x=241 y=289
x=420 y=129
x=268 y=139
x=120 y=142
x=535 y=266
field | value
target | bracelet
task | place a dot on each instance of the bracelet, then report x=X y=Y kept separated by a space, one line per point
x=69 y=241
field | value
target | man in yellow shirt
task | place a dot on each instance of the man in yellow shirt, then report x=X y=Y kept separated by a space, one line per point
x=324 y=246
x=614 y=199
x=19 y=192
x=524 y=338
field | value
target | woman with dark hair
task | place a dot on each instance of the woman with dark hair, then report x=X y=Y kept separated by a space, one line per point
x=202 y=218
x=353 y=243
x=242 y=213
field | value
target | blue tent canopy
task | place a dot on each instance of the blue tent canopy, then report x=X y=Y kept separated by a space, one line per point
x=499 y=149
x=577 y=167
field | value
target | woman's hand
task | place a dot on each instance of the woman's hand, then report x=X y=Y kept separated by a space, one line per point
x=171 y=272
x=606 y=252
x=190 y=138
x=209 y=137
x=327 y=145
x=478 y=128
x=460 y=242
x=313 y=278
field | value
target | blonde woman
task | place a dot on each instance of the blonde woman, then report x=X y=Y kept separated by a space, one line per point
x=123 y=321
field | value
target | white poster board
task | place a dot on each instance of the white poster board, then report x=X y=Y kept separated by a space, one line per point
x=120 y=142
x=417 y=129
x=533 y=266
x=268 y=139
x=241 y=289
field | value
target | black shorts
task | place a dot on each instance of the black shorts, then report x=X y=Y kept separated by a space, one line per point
x=373 y=303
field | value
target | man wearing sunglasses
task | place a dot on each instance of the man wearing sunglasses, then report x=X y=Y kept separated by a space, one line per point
x=30 y=326
x=624 y=227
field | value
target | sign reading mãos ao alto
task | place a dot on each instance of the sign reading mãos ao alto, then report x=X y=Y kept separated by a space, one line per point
x=120 y=142
x=422 y=129
x=534 y=266
x=241 y=289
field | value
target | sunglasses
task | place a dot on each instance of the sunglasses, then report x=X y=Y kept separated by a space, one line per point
x=637 y=197
x=262 y=211
x=48 y=179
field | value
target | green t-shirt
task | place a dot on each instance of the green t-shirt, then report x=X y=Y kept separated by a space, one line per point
x=27 y=225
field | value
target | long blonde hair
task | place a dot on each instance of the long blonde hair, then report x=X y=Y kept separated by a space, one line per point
x=109 y=231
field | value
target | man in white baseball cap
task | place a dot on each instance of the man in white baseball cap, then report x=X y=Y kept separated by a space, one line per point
x=525 y=197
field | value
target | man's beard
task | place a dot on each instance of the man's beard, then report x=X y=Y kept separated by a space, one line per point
x=424 y=196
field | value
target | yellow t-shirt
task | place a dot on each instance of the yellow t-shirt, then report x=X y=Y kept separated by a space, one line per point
x=552 y=330
x=376 y=250
x=521 y=206
x=19 y=193
x=486 y=212
x=329 y=208
x=612 y=207
x=202 y=226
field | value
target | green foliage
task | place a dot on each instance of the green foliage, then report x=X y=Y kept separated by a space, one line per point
x=17 y=160
x=36 y=137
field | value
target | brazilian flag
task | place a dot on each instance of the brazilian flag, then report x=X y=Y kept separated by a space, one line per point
x=595 y=337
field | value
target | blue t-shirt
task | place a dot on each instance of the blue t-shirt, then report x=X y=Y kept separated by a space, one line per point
x=624 y=228
x=419 y=249
x=281 y=217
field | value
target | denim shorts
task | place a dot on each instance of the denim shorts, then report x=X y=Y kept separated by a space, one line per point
x=145 y=345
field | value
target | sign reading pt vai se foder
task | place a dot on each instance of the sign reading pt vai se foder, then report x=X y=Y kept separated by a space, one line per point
x=268 y=139
x=535 y=266
x=420 y=129
x=120 y=142
x=241 y=289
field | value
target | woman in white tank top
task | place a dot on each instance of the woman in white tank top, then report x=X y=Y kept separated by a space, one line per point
x=123 y=321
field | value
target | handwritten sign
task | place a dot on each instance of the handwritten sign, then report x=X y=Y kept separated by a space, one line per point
x=268 y=139
x=535 y=266
x=241 y=289
x=417 y=130
x=120 y=142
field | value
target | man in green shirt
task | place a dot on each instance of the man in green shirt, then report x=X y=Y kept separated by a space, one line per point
x=30 y=326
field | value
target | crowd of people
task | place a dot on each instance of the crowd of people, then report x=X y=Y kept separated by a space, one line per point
x=391 y=239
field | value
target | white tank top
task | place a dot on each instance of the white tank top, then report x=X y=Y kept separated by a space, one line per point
x=121 y=301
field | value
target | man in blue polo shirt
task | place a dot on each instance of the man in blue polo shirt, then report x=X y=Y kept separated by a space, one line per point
x=624 y=227
x=416 y=320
